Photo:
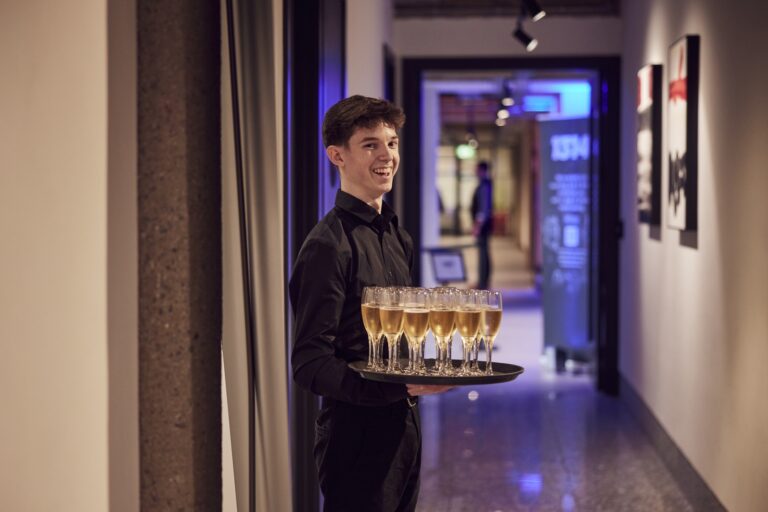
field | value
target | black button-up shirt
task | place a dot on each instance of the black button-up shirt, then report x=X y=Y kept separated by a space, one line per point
x=353 y=246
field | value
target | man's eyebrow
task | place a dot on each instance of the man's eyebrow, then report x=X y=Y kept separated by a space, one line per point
x=376 y=139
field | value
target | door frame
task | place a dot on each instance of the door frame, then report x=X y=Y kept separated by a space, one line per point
x=314 y=78
x=607 y=225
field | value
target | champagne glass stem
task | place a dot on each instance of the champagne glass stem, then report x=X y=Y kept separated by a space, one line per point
x=422 y=365
x=371 y=353
x=391 y=367
x=466 y=346
x=489 y=353
x=446 y=364
x=380 y=353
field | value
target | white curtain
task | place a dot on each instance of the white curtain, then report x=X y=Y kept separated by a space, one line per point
x=259 y=53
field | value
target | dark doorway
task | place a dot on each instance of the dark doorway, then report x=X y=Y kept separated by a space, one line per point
x=314 y=80
x=602 y=293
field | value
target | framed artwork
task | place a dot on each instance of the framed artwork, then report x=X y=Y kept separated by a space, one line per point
x=649 y=89
x=683 y=103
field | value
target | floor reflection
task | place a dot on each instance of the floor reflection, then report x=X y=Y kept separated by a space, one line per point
x=543 y=442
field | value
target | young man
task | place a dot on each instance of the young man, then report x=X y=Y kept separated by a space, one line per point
x=482 y=216
x=367 y=435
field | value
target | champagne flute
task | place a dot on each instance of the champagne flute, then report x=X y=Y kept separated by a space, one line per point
x=415 y=324
x=442 y=302
x=453 y=331
x=391 y=313
x=482 y=301
x=468 y=324
x=492 y=312
x=372 y=323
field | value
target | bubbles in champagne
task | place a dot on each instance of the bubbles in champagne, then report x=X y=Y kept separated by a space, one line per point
x=416 y=322
x=391 y=320
x=468 y=322
x=491 y=321
x=371 y=320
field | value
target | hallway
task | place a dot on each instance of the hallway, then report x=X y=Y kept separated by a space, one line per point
x=542 y=442
x=508 y=261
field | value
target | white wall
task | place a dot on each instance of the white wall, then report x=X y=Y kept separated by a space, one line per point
x=432 y=37
x=369 y=27
x=58 y=179
x=694 y=321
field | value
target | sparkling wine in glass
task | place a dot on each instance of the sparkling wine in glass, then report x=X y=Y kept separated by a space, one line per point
x=482 y=300
x=492 y=311
x=442 y=314
x=391 y=314
x=468 y=316
x=372 y=323
x=415 y=324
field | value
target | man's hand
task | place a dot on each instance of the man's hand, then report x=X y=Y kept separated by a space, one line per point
x=476 y=228
x=421 y=390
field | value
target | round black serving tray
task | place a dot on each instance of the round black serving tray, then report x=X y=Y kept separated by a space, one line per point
x=502 y=372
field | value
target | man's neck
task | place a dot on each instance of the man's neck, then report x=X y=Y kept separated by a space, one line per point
x=375 y=202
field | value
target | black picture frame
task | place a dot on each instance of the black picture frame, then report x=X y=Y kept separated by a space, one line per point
x=649 y=99
x=682 y=133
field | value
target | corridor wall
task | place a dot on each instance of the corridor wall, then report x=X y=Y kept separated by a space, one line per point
x=369 y=28
x=694 y=322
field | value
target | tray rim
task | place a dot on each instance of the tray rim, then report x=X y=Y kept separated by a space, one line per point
x=451 y=380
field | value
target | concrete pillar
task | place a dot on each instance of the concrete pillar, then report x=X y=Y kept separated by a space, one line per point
x=179 y=193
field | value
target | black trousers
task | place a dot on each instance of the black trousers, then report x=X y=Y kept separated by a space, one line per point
x=368 y=458
x=484 y=268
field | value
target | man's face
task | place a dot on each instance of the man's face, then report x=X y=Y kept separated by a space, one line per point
x=368 y=162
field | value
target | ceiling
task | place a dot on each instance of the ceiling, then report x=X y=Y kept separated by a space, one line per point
x=487 y=8
x=473 y=97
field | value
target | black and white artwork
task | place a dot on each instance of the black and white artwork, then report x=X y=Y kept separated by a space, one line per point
x=683 y=103
x=649 y=89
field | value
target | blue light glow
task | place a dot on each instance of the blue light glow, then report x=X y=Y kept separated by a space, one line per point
x=530 y=484
x=541 y=103
x=575 y=95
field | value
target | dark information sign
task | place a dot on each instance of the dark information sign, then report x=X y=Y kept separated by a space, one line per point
x=565 y=227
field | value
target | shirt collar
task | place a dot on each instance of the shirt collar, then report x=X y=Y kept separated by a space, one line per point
x=364 y=211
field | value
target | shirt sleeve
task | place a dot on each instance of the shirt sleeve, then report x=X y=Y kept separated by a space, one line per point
x=318 y=292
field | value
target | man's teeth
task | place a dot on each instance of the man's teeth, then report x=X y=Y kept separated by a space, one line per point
x=382 y=172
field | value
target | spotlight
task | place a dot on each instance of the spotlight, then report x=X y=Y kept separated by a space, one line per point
x=534 y=9
x=502 y=114
x=500 y=122
x=507 y=101
x=521 y=35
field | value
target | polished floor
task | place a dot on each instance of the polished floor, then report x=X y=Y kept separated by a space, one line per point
x=543 y=442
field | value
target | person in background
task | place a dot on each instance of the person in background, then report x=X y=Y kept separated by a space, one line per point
x=367 y=434
x=482 y=215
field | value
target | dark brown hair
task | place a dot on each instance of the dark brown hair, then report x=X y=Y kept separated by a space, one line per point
x=346 y=116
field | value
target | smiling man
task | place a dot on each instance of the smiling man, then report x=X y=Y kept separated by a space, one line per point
x=367 y=436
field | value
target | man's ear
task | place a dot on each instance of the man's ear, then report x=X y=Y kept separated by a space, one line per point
x=335 y=156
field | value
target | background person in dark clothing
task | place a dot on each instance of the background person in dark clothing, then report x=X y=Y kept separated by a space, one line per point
x=482 y=215
x=368 y=440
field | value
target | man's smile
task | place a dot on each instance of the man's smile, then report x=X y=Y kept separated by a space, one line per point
x=384 y=172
